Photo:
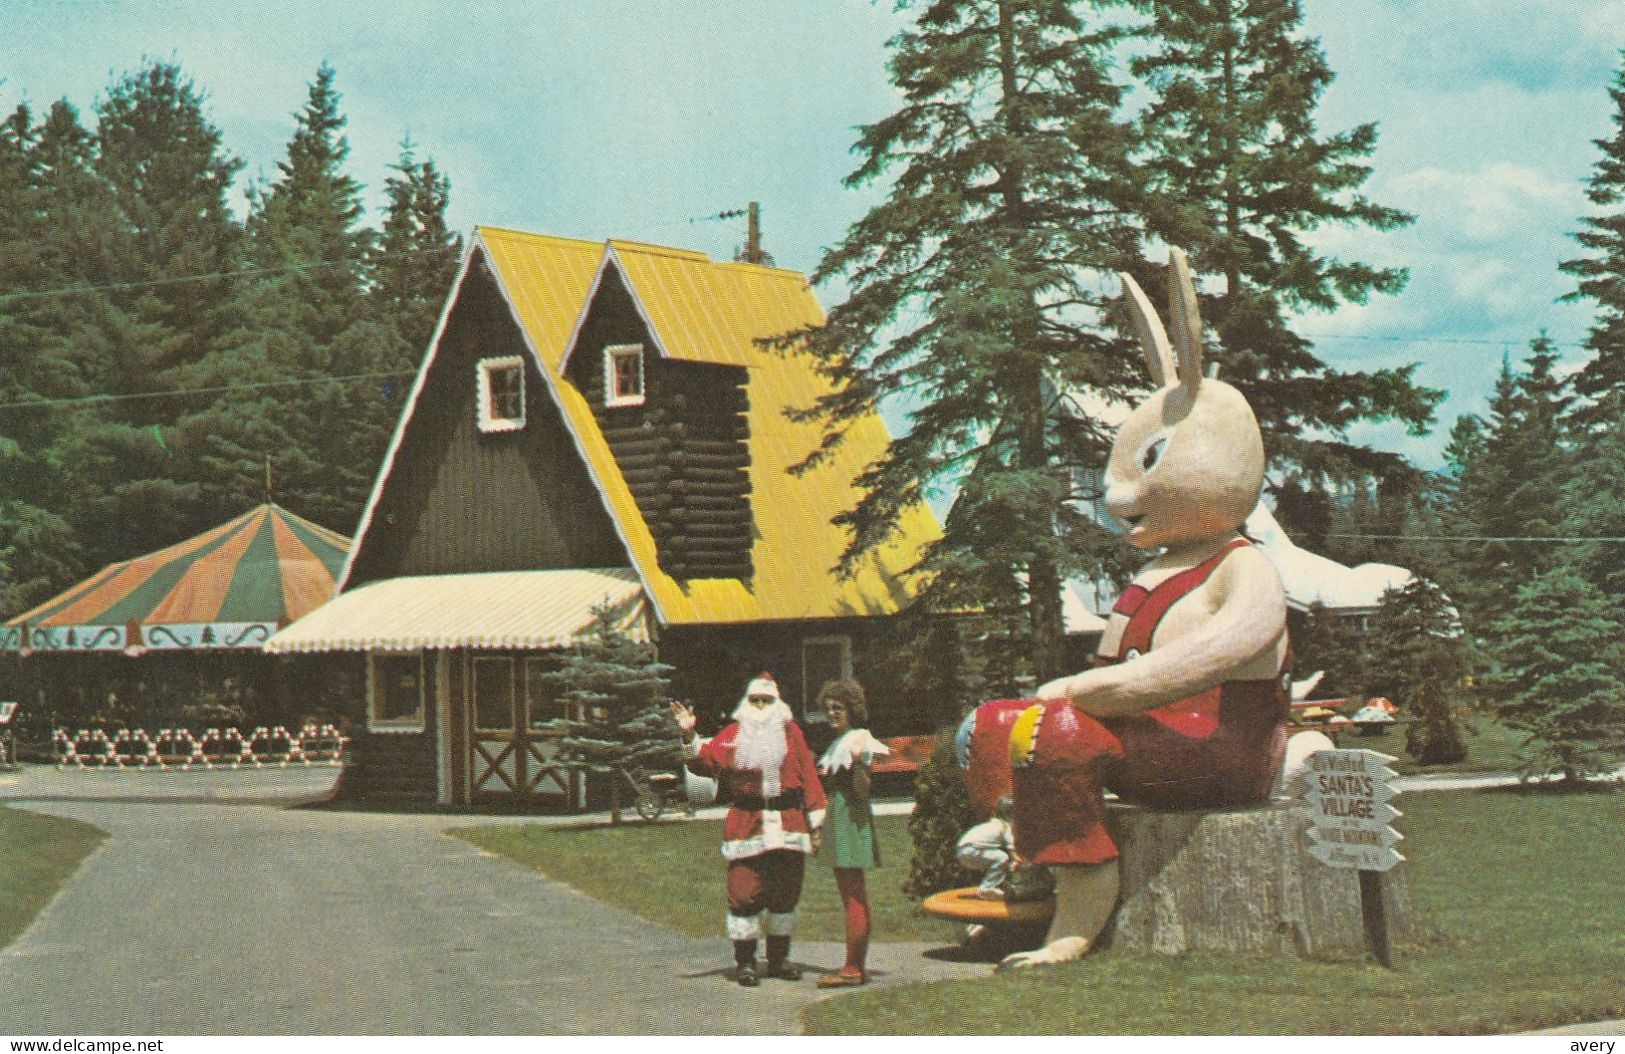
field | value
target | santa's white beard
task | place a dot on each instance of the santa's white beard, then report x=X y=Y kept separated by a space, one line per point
x=761 y=744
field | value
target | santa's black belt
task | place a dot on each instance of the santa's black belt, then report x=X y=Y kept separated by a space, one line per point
x=790 y=799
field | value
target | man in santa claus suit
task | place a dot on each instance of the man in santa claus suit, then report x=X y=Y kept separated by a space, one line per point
x=773 y=822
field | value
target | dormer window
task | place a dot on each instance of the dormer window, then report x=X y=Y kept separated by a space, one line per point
x=623 y=375
x=502 y=394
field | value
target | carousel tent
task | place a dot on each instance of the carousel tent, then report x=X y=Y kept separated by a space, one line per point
x=231 y=587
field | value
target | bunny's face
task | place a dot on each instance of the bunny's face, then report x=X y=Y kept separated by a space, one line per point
x=1185 y=468
x=1188 y=464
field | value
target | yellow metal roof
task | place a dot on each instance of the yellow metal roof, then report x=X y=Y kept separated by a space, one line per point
x=715 y=312
x=502 y=609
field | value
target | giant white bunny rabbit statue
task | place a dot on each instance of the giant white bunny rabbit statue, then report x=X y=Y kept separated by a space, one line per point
x=1186 y=704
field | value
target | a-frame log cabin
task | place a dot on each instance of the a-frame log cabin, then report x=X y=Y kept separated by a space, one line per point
x=601 y=423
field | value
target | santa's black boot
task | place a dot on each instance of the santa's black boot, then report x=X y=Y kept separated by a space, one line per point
x=745 y=959
x=778 y=960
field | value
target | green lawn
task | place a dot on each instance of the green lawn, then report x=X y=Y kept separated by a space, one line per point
x=1522 y=888
x=1491 y=747
x=1520 y=891
x=671 y=874
x=37 y=854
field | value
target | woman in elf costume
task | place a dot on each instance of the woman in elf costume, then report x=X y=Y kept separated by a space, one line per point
x=849 y=822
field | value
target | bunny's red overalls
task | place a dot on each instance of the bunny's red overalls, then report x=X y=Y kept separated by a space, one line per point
x=1219 y=748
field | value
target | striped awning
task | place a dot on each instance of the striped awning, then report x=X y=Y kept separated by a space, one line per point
x=230 y=587
x=501 y=609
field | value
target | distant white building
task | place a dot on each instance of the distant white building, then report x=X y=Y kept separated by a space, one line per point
x=1309 y=578
x=1312 y=579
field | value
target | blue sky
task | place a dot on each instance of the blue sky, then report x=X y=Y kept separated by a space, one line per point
x=632 y=118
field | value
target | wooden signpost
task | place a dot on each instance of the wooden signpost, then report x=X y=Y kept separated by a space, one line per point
x=1348 y=796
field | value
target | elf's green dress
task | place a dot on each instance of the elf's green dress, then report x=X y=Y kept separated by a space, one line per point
x=849 y=822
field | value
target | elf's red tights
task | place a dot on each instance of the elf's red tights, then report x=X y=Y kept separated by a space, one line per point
x=855 y=902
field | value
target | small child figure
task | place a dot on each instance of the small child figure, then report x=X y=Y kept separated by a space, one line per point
x=990 y=847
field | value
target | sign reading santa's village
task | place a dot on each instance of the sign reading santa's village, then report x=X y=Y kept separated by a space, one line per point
x=1348 y=796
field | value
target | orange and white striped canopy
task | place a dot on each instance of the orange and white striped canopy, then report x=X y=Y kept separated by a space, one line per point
x=230 y=587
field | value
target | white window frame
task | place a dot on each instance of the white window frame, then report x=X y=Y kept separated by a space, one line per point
x=612 y=395
x=414 y=723
x=488 y=420
x=809 y=704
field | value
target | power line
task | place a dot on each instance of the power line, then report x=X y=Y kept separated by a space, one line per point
x=1483 y=341
x=204 y=391
x=1482 y=537
x=204 y=277
x=149 y=283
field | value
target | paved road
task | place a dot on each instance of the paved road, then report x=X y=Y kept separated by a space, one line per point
x=213 y=908
x=207 y=913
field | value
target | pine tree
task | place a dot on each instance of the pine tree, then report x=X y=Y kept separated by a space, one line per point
x=942 y=812
x=169 y=176
x=1326 y=641
x=1419 y=657
x=1241 y=179
x=416 y=255
x=139 y=211
x=615 y=691
x=309 y=222
x=1592 y=506
x=1562 y=675
x=976 y=294
x=306 y=319
x=1509 y=473
x=1602 y=275
x=37 y=550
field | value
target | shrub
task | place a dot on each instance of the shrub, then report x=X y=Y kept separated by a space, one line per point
x=942 y=812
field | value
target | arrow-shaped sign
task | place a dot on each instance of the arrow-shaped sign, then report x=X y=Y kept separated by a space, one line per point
x=1355 y=835
x=1352 y=790
x=1360 y=857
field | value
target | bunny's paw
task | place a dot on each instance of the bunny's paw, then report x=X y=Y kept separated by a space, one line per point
x=1063 y=950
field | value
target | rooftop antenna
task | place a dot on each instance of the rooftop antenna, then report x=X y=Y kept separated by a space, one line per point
x=752 y=252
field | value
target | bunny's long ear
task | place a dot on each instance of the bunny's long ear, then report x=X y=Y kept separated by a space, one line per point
x=1159 y=357
x=1186 y=319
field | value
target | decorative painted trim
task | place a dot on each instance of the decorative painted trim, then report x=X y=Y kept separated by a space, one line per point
x=485 y=412
x=396 y=726
x=64 y=638
x=612 y=394
x=177 y=635
x=610 y=257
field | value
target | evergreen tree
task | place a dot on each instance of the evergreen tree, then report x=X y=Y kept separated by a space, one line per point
x=1562 y=675
x=168 y=173
x=1419 y=658
x=615 y=691
x=139 y=211
x=308 y=222
x=1509 y=472
x=942 y=812
x=37 y=549
x=1241 y=179
x=977 y=296
x=1602 y=275
x=1327 y=641
x=416 y=255
x=1592 y=505
x=305 y=319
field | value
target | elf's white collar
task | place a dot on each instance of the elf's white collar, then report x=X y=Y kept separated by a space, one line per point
x=851 y=744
